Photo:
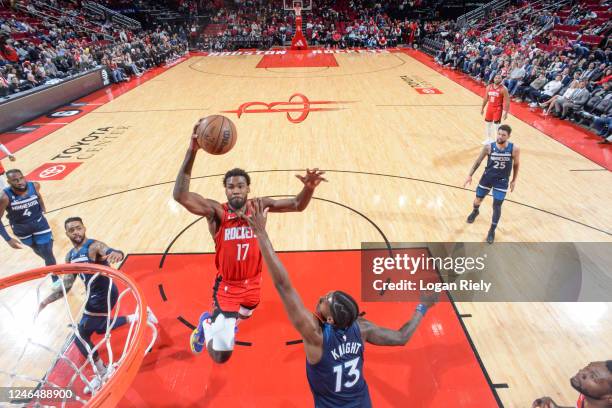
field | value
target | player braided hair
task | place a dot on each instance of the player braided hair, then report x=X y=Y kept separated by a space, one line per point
x=344 y=309
x=236 y=173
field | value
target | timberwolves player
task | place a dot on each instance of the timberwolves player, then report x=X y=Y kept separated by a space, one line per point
x=334 y=337
x=25 y=210
x=237 y=288
x=503 y=160
x=97 y=313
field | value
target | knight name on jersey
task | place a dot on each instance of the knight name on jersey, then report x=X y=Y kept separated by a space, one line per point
x=238 y=233
x=23 y=206
x=346 y=348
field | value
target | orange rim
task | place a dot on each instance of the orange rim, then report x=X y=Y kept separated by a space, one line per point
x=113 y=390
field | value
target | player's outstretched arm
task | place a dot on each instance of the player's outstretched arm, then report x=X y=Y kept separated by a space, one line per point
x=100 y=251
x=193 y=202
x=483 y=153
x=381 y=336
x=58 y=292
x=4 y=202
x=311 y=180
x=301 y=318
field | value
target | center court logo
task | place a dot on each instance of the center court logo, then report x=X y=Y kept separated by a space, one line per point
x=297 y=108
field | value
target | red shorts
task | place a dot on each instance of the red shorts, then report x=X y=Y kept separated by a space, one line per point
x=233 y=298
x=494 y=114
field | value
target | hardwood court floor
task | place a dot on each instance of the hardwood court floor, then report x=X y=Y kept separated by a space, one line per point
x=392 y=154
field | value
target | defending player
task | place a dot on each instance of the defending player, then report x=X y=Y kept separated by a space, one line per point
x=503 y=159
x=96 y=314
x=334 y=336
x=497 y=101
x=25 y=210
x=236 y=292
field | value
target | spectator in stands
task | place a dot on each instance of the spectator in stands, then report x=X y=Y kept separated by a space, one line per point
x=563 y=106
x=550 y=89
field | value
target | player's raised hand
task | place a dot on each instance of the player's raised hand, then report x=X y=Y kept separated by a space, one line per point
x=429 y=298
x=544 y=402
x=259 y=215
x=468 y=181
x=15 y=244
x=313 y=178
x=113 y=258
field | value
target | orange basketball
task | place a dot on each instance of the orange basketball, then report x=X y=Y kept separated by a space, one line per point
x=216 y=134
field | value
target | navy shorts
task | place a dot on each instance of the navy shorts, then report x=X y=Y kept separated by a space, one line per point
x=37 y=232
x=499 y=187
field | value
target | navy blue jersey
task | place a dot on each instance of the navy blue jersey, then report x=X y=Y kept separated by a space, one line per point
x=25 y=208
x=98 y=291
x=499 y=164
x=337 y=379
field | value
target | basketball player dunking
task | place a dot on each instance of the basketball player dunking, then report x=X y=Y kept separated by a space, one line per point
x=236 y=292
x=497 y=102
x=503 y=159
x=334 y=336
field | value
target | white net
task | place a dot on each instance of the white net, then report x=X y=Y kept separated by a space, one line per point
x=66 y=354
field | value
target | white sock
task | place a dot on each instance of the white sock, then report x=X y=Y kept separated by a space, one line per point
x=208 y=331
x=100 y=366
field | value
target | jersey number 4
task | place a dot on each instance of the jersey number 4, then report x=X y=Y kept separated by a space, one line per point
x=353 y=372
x=242 y=251
x=27 y=213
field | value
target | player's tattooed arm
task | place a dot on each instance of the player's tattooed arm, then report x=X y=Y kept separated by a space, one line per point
x=311 y=180
x=193 y=202
x=483 y=153
x=58 y=292
x=4 y=202
x=301 y=318
x=381 y=336
x=40 y=199
x=100 y=251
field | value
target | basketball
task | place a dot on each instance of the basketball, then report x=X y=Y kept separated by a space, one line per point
x=216 y=134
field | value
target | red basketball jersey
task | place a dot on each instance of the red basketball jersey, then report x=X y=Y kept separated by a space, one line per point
x=238 y=257
x=496 y=96
x=580 y=402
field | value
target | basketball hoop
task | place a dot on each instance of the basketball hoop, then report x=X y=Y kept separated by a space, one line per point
x=122 y=361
